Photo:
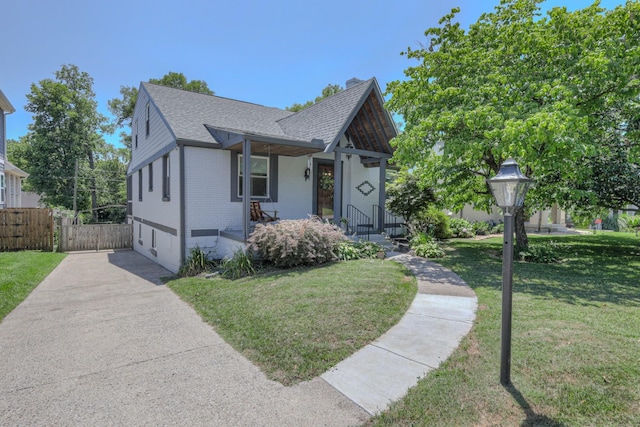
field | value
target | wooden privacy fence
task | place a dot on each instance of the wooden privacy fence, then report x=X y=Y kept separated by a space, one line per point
x=95 y=237
x=26 y=229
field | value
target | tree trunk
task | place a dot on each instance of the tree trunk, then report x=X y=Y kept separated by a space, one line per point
x=522 y=241
x=94 y=197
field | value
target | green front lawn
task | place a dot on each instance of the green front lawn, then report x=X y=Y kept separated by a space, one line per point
x=20 y=273
x=296 y=324
x=575 y=345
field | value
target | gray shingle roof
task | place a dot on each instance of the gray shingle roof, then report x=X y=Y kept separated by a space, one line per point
x=327 y=119
x=187 y=113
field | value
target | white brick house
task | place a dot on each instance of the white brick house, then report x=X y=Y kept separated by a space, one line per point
x=189 y=150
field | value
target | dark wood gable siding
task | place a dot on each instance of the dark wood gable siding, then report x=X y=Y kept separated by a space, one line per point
x=370 y=129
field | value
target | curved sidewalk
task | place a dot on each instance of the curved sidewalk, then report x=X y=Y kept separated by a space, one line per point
x=440 y=315
x=99 y=342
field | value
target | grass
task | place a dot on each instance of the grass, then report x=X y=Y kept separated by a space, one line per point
x=20 y=273
x=295 y=324
x=575 y=344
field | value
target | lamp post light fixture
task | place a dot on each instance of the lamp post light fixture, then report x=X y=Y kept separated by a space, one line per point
x=509 y=187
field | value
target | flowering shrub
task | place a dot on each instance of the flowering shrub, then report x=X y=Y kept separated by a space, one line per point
x=291 y=243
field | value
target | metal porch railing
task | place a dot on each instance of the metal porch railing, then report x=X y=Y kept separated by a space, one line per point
x=358 y=222
x=391 y=224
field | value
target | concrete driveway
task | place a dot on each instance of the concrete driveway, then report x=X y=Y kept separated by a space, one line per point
x=102 y=342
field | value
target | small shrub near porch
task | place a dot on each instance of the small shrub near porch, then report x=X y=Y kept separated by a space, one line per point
x=291 y=243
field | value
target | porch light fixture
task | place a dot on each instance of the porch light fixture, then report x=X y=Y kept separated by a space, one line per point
x=509 y=188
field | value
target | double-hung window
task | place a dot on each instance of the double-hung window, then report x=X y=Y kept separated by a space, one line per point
x=259 y=176
x=140 y=185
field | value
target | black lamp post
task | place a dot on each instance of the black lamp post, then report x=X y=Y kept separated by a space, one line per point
x=509 y=187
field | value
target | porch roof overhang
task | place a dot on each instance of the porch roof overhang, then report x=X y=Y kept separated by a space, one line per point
x=12 y=169
x=232 y=139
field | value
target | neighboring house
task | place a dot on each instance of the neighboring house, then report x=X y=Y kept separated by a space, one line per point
x=189 y=153
x=5 y=109
x=13 y=185
x=10 y=175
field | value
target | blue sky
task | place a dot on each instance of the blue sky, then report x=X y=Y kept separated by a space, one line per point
x=270 y=52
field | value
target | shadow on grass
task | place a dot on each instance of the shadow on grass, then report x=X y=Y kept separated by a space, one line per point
x=595 y=269
x=533 y=419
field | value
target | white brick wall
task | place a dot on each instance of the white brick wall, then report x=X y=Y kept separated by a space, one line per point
x=154 y=209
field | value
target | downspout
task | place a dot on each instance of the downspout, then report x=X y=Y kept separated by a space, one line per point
x=183 y=240
x=246 y=187
x=382 y=192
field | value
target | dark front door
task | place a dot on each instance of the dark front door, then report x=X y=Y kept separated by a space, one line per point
x=324 y=190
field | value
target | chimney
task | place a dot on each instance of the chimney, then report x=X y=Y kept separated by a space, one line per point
x=353 y=81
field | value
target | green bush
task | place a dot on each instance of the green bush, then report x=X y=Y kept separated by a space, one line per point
x=633 y=223
x=291 y=243
x=481 y=228
x=197 y=262
x=460 y=227
x=239 y=265
x=426 y=246
x=610 y=223
x=431 y=221
x=544 y=253
x=497 y=228
x=349 y=250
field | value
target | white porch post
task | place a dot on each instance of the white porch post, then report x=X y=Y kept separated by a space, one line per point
x=246 y=187
x=337 y=187
x=382 y=192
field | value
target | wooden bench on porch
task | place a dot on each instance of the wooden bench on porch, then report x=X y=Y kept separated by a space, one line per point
x=259 y=215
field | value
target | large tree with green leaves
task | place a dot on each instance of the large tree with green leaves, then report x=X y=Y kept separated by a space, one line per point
x=520 y=85
x=122 y=108
x=326 y=92
x=66 y=131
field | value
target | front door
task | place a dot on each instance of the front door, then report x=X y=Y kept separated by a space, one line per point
x=324 y=190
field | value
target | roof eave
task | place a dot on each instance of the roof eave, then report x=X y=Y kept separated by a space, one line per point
x=14 y=170
x=5 y=105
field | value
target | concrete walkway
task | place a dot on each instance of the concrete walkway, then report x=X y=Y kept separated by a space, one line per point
x=101 y=342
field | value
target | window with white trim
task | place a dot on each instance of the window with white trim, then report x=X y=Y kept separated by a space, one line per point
x=135 y=131
x=153 y=238
x=259 y=176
